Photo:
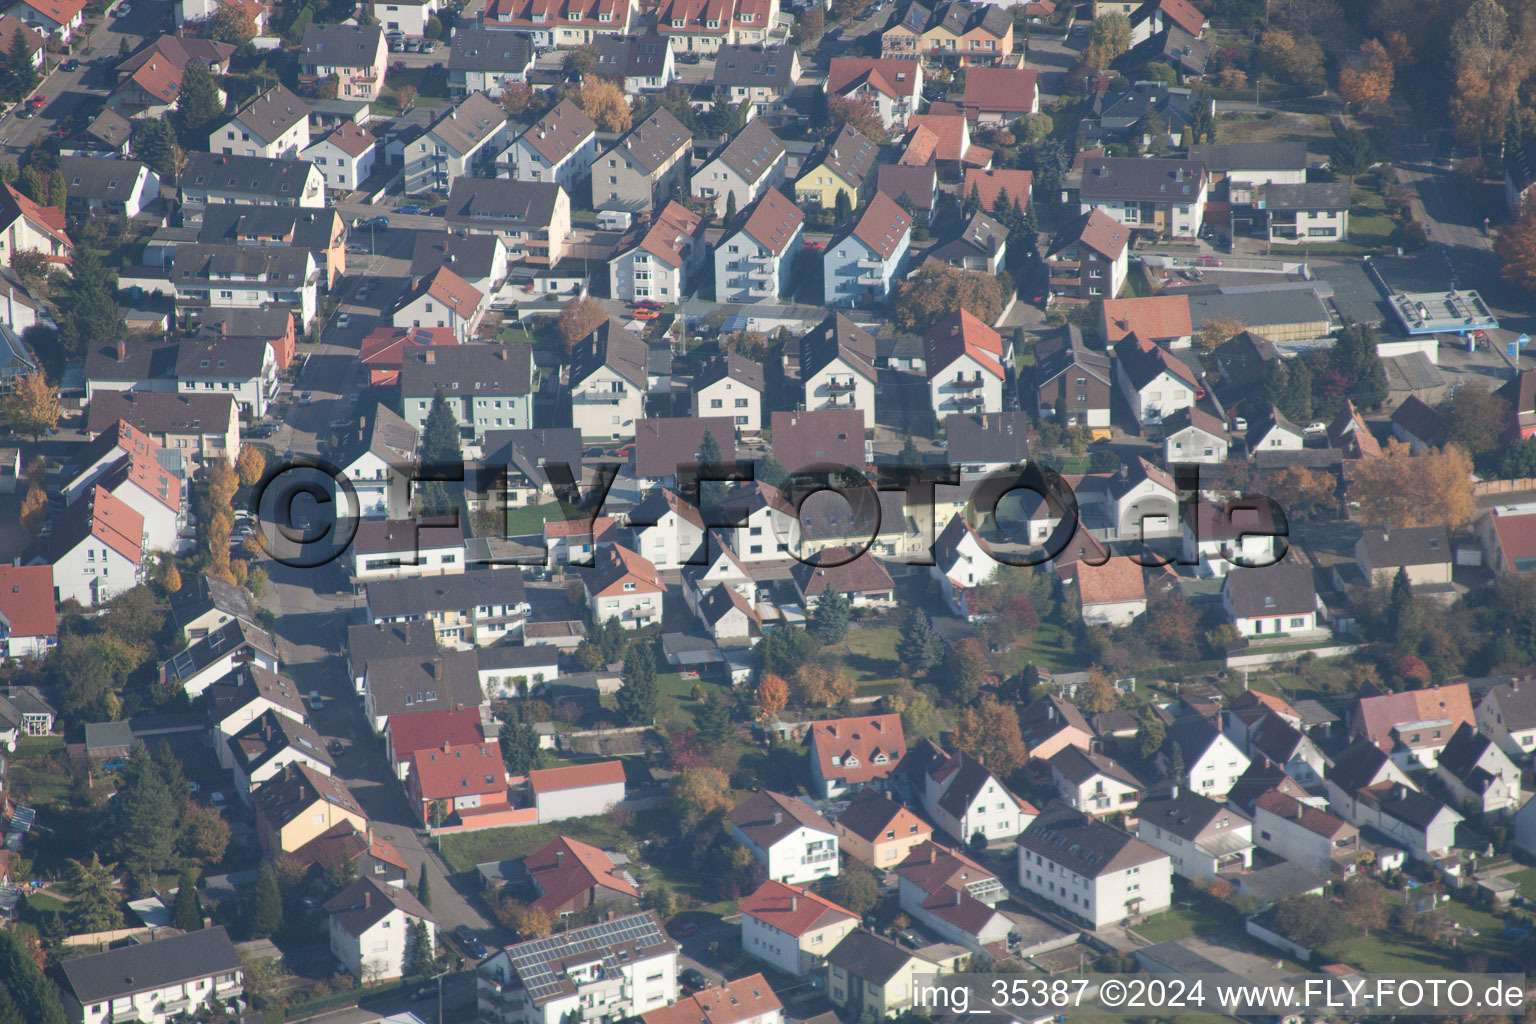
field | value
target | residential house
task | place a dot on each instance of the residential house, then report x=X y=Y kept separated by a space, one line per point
x=894 y=87
x=1154 y=382
x=261 y=750
x=1422 y=554
x=26 y=226
x=203 y=604
x=249 y=694
x=571 y=877
x=1313 y=212
x=152 y=981
x=640 y=63
x=577 y=791
x=246 y=277
x=1240 y=533
x=980 y=243
x=322 y=233
x=481 y=260
x=57 y=19
x=392 y=548
x=31 y=39
x=463 y=141
x=559 y=147
x=29 y=619
x=1161 y=319
x=406 y=735
x=749 y=1000
x=980 y=443
x=760 y=75
x=787 y=836
x=859 y=577
x=1193 y=435
x=1095 y=783
x=704 y=26
x=1088 y=258
x=274 y=125
x=943 y=135
x=1418 y=424
x=467 y=610
x=665 y=446
x=110 y=133
x=486 y=387
x=407 y=17
x=837 y=368
x=95 y=550
x=214 y=178
x=663 y=263
x=420 y=680
x=354 y=55
x=1165 y=197
x=360 y=853
x=532 y=218
x=963 y=797
x=1414 y=725
x=962 y=562
x=149 y=82
x=530 y=466
x=743 y=169
x=966 y=361
x=608 y=382
x=914 y=188
x=967 y=34
x=669 y=531
x=374 y=926
x=543 y=981
x=1349 y=433
x=1303 y=834
x=731 y=385
x=1508 y=541
x=248 y=372
x=755 y=256
x=379 y=465
x=1274 y=433
x=1109 y=593
x=1507 y=715
x=643 y=165
x=848 y=754
x=1000 y=96
x=462 y=786
x=1203 y=838
x=298 y=804
x=139 y=481
x=954 y=897
x=1090 y=870
x=1424 y=826
x=765 y=525
x=122 y=187
x=346 y=156
x=879 y=830
x=792 y=928
x=1212 y=762
x=488 y=60
x=871 y=975
x=578 y=24
x=206 y=660
x=442 y=299
x=1073 y=379
x=625 y=586
x=861 y=264
x=1475 y=770
x=844 y=167
x=1125 y=116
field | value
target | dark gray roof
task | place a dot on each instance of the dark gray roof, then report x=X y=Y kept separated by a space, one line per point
x=834 y=336
x=754 y=149
x=1126 y=179
x=489 y=202
x=479 y=49
x=643 y=56
x=220 y=359
x=527 y=452
x=386 y=435
x=266 y=322
x=1194 y=736
x=1421 y=420
x=144 y=359
x=1280 y=589
x=987 y=437
x=417 y=595
x=869 y=957
x=766 y=817
x=1408 y=546
x=654 y=141
x=1061 y=351
x=271 y=734
x=757 y=67
x=308 y=228
x=470 y=370
x=1314 y=195
x=220 y=641
x=980 y=236
x=1082 y=844
x=1461 y=754
x=348 y=46
x=270 y=264
x=1357 y=765
x=366 y=902
x=610 y=345
x=396 y=640
x=102 y=178
x=447 y=681
x=202 y=594
x=1185 y=814
x=738 y=368
x=276 y=110
x=469 y=256
x=254 y=176
x=850 y=155
x=1078 y=766
x=1251 y=156
x=512 y=656
x=151 y=965
x=1410 y=805
x=1517 y=703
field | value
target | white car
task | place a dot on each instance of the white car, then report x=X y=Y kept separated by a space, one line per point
x=1315 y=427
x=344 y=321
x=216 y=800
x=316 y=702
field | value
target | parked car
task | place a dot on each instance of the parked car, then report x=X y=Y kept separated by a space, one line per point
x=380 y=221
x=335 y=748
x=647 y=314
x=262 y=430
x=694 y=979
x=305 y=397
x=1315 y=427
x=316 y=702
x=471 y=943
x=37 y=102
x=216 y=800
x=344 y=320
x=71 y=65
x=410 y=208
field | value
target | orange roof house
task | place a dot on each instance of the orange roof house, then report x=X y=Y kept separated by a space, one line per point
x=1162 y=319
x=1377 y=717
x=745 y=999
x=953 y=131
x=962 y=334
x=572 y=876
x=1111 y=594
x=850 y=753
x=991 y=182
x=468 y=779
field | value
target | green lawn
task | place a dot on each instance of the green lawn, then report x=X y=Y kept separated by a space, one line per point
x=463 y=852
x=1051 y=649
x=871 y=656
x=1526 y=880
x=1180 y=923
x=530 y=519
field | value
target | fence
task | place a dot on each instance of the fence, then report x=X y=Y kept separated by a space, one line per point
x=106 y=938
x=1483 y=487
x=1288 y=653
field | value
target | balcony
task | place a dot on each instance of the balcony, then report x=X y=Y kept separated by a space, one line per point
x=840 y=387
x=813 y=859
x=965 y=385
x=967 y=401
x=874 y=280
x=595 y=398
x=871 y=264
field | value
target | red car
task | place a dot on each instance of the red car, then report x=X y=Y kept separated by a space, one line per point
x=815 y=246
x=646 y=313
x=626 y=451
x=648 y=304
x=37 y=102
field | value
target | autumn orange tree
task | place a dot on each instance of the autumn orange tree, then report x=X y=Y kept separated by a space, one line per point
x=578 y=318
x=34 y=510
x=1366 y=81
x=937 y=290
x=32 y=406
x=1217 y=332
x=1300 y=491
x=823 y=686
x=604 y=103
x=1516 y=247
x=772 y=696
x=862 y=117
x=251 y=464
x=1401 y=489
x=991 y=732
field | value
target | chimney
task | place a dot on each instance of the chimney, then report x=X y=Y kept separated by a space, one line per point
x=122 y=349
x=933 y=855
x=559 y=859
x=794 y=903
x=957 y=897
x=437 y=668
x=778 y=817
x=1173 y=791
x=445 y=746
x=429 y=357
x=501 y=353
x=1300 y=810
x=367 y=898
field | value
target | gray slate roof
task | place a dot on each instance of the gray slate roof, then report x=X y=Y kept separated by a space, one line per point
x=151 y=965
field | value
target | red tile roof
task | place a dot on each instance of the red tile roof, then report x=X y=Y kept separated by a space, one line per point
x=1005 y=90
x=743 y=999
x=864 y=740
x=61 y=12
x=145 y=471
x=892 y=76
x=1117 y=581
x=992 y=182
x=26 y=600
x=49 y=218
x=117 y=525
x=1183 y=14
x=793 y=910
x=565 y=868
x=1517 y=538
x=427 y=730
x=1375 y=717
x=1151 y=317
x=616 y=568
x=445 y=772
x=962 y=334
x=351 y=138
x=921 y=147
x=772 y=221
x=882 y=226
x=951 y=131
x=576 y=776
x=669 y=236
x=843 y=570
